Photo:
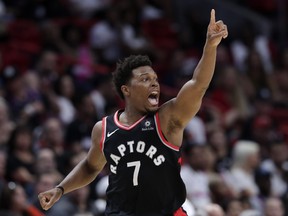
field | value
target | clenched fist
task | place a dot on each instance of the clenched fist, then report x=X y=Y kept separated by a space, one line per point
x=48 y=198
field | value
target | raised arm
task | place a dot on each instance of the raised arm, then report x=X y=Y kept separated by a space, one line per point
x=188 y=101
x=84 y=173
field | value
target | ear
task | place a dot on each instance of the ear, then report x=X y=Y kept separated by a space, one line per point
x=125 y=90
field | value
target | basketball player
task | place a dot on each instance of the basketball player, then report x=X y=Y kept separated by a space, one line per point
x=140 y=144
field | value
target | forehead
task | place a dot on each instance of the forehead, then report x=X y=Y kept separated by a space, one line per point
x=143 y=70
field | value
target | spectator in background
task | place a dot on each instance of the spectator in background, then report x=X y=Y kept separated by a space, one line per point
x=260 y=126
x=65 y=90
x=31 y=83
x=217 y=139
x=273 y=207
x=220 y=192
x=52 y=136
x=47 y=69
x=78 y=52
x=79 y=130
x=6 y=125
x=194 y=176
x=224 y=57
x=263 y=181
x=262 y=81
x=209 y=161
x=195 y=131
x=13 y=202
x=103 y=98
x=229 y=98
x=275 y=164
x=234 y=207
x=132 y=34
x=105 y=38
x=100 y=189
x=246 y=158
x=250 y=41
x=175 y=72
x=21 y=100
x=46 y=163
x=34 y=112
x=51 y=37
x=21 y=160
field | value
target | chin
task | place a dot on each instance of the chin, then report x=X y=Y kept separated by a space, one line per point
x=152 y=109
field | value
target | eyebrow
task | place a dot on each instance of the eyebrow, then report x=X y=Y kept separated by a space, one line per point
x=144 y=74
x=148 y=73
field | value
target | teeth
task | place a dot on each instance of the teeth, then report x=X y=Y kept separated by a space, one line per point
x=154 y=93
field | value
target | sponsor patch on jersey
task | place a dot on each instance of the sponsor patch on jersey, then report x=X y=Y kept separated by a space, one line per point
x=147 y=126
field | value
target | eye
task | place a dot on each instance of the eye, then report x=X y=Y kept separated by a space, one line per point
x=144 y=79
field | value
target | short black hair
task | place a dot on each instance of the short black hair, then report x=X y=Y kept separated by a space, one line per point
x=123 y=72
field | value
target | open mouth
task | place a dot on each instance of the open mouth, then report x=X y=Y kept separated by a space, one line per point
x=153 y=98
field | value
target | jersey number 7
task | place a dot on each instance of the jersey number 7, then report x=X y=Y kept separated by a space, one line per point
x=136 y=165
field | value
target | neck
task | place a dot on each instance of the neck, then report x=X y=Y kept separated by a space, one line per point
x=129 y=116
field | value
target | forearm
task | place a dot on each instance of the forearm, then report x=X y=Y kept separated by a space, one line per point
x=205 y=69
x=80 y=176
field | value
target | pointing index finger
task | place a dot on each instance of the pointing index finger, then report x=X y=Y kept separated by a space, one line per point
x=212 y=16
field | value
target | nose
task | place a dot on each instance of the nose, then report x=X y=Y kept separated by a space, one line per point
x=155 y=83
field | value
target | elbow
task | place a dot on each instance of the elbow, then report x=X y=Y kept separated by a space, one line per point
x=94 y=166
x=89 y=167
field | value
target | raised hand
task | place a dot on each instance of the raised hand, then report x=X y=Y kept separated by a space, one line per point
x=48 y=198
x=216 y=30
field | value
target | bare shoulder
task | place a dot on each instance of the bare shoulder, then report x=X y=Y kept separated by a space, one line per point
x=95 y=155
x=97 y=133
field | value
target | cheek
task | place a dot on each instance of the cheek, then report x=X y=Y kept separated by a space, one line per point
x=138 y=93
x=139 y=100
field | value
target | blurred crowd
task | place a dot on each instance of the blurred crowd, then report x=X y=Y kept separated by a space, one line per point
x=56 y=60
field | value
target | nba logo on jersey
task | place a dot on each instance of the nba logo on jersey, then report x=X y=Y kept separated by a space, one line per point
x=147 y=126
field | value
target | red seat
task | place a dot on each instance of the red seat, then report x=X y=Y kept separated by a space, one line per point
x=24 y=30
